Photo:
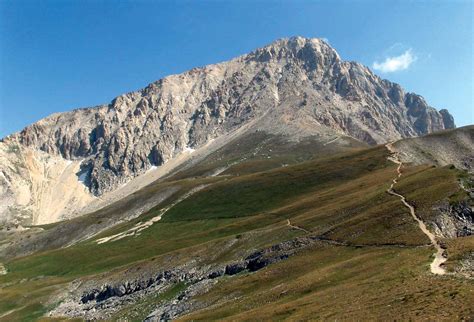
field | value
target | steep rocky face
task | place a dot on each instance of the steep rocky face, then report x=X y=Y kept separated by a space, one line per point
x=295 y=86
x=448 y=119
x=456 y=220
x=424 y=120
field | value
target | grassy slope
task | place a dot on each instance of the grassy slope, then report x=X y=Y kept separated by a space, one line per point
x=260 y=151
x=341 y=197
x=213 y=212
x=250 y=153
x=333 y=282
x=342 y=283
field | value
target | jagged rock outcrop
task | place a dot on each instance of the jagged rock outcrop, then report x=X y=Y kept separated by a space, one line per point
x=295 y=87
x=456 y=220
x=448 y=119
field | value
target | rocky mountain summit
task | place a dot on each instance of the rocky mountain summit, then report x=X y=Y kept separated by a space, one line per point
x=295 y=87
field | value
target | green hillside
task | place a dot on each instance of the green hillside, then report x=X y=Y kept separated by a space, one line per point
x=363 y=255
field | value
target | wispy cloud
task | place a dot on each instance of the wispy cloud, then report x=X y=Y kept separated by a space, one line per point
x=396 y=63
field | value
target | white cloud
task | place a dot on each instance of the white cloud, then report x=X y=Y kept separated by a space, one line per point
x=393 y=64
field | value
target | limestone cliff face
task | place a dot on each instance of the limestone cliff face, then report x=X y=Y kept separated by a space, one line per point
x=293 y=86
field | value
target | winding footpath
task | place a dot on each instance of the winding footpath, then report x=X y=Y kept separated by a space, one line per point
x=139 y=227
x=439 y=258
x=332 y=141
x=288 y=223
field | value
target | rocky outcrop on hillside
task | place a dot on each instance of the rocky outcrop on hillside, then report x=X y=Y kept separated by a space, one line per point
x=455 y=218
x=296 y=87
x=99 y=301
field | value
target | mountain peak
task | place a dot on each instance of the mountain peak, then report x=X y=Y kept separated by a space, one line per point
x=294 y=87
x=299 y=41
x=295 y=47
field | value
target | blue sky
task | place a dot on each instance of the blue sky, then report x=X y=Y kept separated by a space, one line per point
x=60 y=55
